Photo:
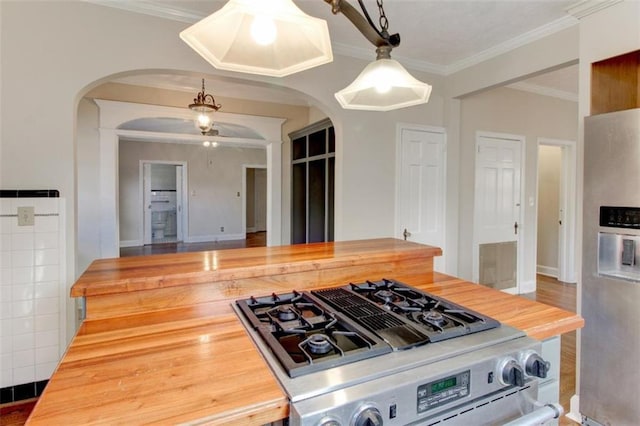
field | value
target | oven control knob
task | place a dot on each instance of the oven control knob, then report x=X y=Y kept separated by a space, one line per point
x=534 y=365
x=368 y=416
x=511 y=373
x=329 y=421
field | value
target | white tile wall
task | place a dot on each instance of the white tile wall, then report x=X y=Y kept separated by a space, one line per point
x=32 y=290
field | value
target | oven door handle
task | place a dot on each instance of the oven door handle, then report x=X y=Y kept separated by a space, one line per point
x=539 y=416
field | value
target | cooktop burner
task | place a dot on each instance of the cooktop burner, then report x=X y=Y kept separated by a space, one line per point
x=436 y=317
x=313 y=331
x=305 y=335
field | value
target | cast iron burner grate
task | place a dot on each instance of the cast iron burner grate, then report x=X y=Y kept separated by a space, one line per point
x=431 y=318
x=305 y=335
x=393 y=329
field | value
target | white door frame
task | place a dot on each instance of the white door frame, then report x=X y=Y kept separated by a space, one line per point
x=244 y=194
x=519 y=241
x=182 y=207
x=567 y=234
x=400 y=127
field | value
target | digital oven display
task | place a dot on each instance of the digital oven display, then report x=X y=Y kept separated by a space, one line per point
x=443 y=384
x=443 y=391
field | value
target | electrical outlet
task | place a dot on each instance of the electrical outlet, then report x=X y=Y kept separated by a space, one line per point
x=222 y=229
x=26 y=216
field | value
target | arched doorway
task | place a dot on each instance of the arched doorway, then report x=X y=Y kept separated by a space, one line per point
x=114 y=119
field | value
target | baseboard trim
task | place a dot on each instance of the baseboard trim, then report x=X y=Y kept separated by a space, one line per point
x=574 y=409
x=214 y=238
x=548 y=271
x=131 y=243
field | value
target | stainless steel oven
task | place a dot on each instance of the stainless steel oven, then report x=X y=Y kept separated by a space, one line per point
x=384 y=353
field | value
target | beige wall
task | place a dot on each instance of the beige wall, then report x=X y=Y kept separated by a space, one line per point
x=316 y=115
x=214 y=180
x=513 y=112
x=296 y=117
x=260 y=200
x=549 y=170
x=87 y=197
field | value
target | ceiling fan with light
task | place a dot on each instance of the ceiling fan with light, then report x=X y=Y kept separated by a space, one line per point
x=275 y=38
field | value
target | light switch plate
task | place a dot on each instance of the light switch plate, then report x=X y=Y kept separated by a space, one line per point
x=25 y=216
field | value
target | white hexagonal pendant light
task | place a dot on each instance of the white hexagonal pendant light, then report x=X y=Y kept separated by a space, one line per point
x=267 y=37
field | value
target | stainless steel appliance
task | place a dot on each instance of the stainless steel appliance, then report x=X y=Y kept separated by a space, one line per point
x=610 y=340
x=382 y=352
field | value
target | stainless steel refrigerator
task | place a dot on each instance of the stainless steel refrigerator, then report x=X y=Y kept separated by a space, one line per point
x=610 y=341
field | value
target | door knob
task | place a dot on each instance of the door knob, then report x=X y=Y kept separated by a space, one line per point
x=406 y=233
x=515 y=227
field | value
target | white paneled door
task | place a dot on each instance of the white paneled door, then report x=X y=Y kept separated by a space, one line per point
x=497 y=223
x=421 y=187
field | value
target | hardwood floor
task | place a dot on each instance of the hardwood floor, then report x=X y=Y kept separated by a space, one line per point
x=257 y=239
x=16 y=413
x=562 y=295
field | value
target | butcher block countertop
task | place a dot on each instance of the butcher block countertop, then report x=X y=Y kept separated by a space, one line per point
x=108 y=276
x=188 y=360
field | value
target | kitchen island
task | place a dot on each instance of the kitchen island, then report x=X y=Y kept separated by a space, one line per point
x=161 y=344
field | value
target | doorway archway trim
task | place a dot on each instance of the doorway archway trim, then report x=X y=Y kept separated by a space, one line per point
x=114 y=113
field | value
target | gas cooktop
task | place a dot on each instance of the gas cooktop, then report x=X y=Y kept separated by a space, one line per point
x=317 y=330
x=379 y=352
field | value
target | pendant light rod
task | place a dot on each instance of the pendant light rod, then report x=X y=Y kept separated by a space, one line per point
x=364 y=25
x=204 y=101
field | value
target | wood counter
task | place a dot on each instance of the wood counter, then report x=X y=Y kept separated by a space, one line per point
x=139 y=358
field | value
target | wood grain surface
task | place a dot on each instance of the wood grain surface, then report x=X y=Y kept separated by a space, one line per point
x=121 y=275
x=204 y=371
x=181 y=356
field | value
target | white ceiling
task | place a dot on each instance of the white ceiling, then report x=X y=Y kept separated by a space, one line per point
x=438 y=36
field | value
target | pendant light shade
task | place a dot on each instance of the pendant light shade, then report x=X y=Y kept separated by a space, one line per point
x=267 y=37
x=384 y=85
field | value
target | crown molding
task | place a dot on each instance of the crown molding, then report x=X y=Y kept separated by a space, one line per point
x=495 y=51
x=153 y=9
x=189 y=16
x=588 y=7
x=514 y=43
x=545 y=91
